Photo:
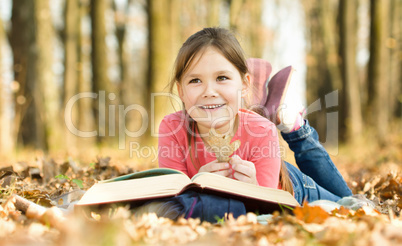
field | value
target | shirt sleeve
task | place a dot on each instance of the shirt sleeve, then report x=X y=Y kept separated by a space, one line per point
x=267 y=160
x=170 y=149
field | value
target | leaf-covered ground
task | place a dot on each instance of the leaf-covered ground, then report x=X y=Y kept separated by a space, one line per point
x=374 y=172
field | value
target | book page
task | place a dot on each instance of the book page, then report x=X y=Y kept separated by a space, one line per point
x=135 y=189
x=228 y=185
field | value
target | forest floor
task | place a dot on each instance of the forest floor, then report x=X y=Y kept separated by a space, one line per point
x=369 y=169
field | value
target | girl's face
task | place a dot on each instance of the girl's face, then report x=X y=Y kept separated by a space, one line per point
x=211 y=91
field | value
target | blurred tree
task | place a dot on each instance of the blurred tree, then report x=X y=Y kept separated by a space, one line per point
x=161 y=57
x=71 y=64
x=132 y=77
x=245 y=19
x=351 y=112
x=191 y=17
x=74 y=82
x=104 y=116
x=323 y=75
x=37 y=106
x=86 y=121
x=254 y=28
x=213 y=10
x=378 y=110
x=20 y=40
x=47 y=90
x=235 y=12
x=7 y=142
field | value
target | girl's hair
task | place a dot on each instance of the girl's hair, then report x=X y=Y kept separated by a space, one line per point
x=284 y=179
x=226 y=43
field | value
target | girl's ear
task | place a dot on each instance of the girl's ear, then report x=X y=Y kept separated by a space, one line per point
x=246 y=85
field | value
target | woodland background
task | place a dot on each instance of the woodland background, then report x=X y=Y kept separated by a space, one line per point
x=123 y=51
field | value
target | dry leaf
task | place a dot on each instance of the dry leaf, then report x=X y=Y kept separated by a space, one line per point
x=221 y=146
x=311 y=214
x=342 y=212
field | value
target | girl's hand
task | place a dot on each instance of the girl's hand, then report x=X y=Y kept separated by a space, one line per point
x=220 y=168
x=243 y=170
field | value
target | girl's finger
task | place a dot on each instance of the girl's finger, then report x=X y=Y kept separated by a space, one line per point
x=214 y=166
x=242 y=177
x=235 y=160
x=243 y=169
x=225 y=173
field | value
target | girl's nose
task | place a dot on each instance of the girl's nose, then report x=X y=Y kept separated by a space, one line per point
x=210 y=90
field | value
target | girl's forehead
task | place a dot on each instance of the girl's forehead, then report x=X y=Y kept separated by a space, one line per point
x=197 y=57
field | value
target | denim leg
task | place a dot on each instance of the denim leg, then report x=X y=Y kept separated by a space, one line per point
x=305 y=189
x=314 y=161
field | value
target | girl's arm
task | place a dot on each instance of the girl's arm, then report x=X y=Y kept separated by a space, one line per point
x=263 y=165
x=267 y=159
x=171 y=151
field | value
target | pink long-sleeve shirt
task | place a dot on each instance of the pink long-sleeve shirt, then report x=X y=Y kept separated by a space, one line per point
x=259 y=145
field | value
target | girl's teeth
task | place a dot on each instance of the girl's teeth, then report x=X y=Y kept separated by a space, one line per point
x=211 y=106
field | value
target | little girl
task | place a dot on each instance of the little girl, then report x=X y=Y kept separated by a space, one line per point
x=212 y=80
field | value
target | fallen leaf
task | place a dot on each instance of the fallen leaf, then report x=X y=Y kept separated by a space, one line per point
x=310 y=214
x=221 y=146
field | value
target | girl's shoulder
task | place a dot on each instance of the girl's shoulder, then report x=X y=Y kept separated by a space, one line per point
x=255 y=128
x=175 y=117
x=254 y=120
x=174 y=123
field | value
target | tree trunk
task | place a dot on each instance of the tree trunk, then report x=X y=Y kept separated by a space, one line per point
x=71 y=35
x=132 y=77
x=235 y=13
x=351 y=116
x=49 y=108
x=101 y=83
x=86 y=121
x=7 y=141
x=319 y=78
x=245 y=19
x=27 y=120
x=378 y=77
x=213 y=7
x=254 y=28
x=328 y=33
x=161 y=58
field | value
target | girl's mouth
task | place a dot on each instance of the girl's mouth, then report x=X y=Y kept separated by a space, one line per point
x=215 y=106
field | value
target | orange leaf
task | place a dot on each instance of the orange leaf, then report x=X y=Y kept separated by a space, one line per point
x=341 y=211
x=310 y=214
x=365 y=210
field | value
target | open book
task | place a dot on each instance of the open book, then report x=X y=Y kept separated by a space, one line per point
x=164 y=182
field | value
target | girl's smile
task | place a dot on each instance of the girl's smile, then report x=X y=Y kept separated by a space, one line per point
x=211 y=107
x=211 y=90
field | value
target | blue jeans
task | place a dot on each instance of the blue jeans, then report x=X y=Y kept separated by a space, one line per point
x=318 y=177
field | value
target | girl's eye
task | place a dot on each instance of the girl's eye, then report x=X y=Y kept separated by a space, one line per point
x=194 y=81
x=222 y=78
